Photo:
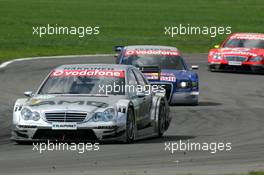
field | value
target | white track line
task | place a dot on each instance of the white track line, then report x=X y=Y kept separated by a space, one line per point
x=4 y=64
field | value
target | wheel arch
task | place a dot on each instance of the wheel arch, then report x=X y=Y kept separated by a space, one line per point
x=124 y=105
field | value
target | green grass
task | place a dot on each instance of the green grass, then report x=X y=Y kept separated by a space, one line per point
x=122 y=22
x=256 y=173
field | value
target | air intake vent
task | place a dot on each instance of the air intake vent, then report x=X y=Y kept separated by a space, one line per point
x=65 y=117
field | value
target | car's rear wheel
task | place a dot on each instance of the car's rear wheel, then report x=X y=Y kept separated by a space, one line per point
x=130 y=126
x=162 y=119
x=22 y=142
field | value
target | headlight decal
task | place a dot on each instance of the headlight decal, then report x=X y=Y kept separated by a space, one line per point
x=18 y=108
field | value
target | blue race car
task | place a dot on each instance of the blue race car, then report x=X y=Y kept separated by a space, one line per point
x=163 y=65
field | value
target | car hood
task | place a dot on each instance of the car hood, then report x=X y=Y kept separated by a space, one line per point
x=244 y=52
x=82 y=103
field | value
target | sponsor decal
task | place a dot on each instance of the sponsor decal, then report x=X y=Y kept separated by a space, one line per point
x=44 y=97
x=152 y=76
x=166 y=76
x=242 y=49
x=170 y=78
x=64 y=125
x=248 y=36
x=234 y=63
x=34 y=101
x=88 y=73
x=237 y=51
x=152 y=52
x=77 y=102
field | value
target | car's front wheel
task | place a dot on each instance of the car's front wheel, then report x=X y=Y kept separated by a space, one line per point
x=212 y=68
x=130 y=126
x=195 y=102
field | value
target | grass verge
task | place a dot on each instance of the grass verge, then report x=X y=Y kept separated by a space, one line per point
x=121 y=23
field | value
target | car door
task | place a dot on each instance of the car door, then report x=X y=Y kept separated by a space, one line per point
x=147 y=99
x=132 y=93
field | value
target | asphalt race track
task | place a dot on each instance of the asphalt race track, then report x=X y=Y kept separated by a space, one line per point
x=231 y=110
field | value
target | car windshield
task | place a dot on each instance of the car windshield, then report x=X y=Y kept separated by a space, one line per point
x=247 y=43
x=163 y=61
x=77 y=82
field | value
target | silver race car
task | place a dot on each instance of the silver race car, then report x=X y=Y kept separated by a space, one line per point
x=91 y=102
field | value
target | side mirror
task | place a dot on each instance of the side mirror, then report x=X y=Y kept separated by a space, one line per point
x=217 y=46
x=141 y=94
x=28 y=93
x=118 y=48
x=195 y=67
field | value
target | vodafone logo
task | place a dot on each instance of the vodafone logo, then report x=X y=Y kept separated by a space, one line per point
x=249 y=36
x=88 y=73
x=151 y=52
x=57 y=73
x=242 y=49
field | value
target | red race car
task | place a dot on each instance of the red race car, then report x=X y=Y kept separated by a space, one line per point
x=240 y=51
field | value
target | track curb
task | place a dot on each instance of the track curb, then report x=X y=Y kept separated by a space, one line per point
x=5 y=64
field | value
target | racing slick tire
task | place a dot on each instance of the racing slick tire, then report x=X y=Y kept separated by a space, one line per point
x=130 y=126
x=162 y=119
x=257 y=70
x=195 y=102
x=212 y=68
x=23 y=142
